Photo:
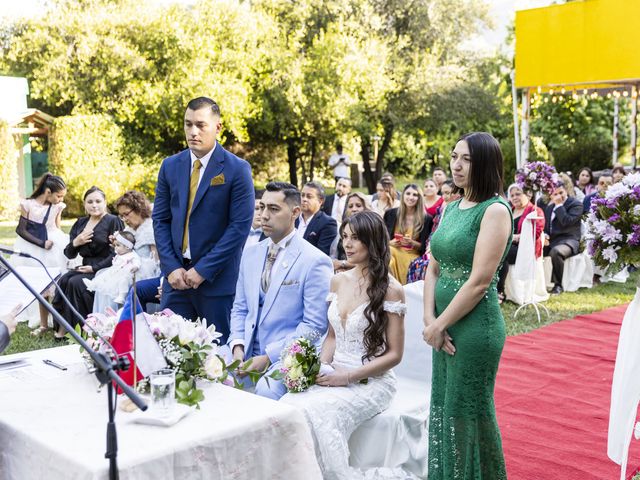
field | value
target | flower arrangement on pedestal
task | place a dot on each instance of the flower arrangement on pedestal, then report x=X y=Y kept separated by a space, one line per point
x=537 y=177
x=613 y=237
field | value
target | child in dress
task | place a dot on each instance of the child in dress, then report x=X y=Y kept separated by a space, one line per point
x=116 y=280
x=45 y=206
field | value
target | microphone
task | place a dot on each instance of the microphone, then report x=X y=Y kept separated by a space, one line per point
x=15 y=252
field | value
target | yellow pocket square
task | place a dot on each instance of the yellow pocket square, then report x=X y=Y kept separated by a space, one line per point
x=217 y=180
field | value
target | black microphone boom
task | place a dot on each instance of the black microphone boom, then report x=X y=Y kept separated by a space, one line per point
x=105 y=371
x=15 y=252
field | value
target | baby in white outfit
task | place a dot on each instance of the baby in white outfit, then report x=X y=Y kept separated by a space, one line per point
x=116 y=280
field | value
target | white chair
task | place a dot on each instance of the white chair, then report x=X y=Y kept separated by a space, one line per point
x=398 y=436
x=519 y=291
x=578 y=272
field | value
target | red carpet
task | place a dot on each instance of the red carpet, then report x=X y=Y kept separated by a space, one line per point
x=552 y=400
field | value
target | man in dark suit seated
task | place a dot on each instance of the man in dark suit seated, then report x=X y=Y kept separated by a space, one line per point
x=334 y=205
x=603 y=183
x=315 y=226
x=562 y=227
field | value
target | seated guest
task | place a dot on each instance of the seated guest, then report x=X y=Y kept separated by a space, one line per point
x=521 y=206
x=356 y=382
x=255 y=234
x=618 y=173
x=135 y=211
x=418 y=267
x=356 y=202
x=409 y=229
x=439 y=176
x=386 y=197
x=585 y=181
x=89 y=238
x=386 y=177
x=572 y=191
x=281 y=291
x=432 y=200
x=335 y=204
x=603 y=183
x=562 y=228
x=315 y=226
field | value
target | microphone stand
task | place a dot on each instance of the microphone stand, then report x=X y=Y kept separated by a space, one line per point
x=106 y=373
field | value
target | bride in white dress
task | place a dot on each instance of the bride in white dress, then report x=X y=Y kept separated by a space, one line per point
x=365 y=340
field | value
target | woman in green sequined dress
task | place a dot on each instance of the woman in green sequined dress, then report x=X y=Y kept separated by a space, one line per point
x=463 y=321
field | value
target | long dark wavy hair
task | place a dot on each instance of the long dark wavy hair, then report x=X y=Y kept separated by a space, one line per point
x=371 y=231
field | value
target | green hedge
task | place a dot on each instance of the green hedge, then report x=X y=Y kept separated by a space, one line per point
x=88 y=150
x=9 y=193
x=587 y=152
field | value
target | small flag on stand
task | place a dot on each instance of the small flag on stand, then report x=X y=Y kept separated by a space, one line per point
x=144 y=353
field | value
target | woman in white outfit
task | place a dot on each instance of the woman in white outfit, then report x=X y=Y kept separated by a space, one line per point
x=364 y=341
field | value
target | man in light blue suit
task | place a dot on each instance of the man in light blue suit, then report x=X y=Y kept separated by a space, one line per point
x=281 y=292
x=201 y=218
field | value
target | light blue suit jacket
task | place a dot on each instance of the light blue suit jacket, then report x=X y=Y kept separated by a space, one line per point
x=295 y=303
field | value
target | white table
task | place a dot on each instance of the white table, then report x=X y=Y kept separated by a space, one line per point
x=53 y=426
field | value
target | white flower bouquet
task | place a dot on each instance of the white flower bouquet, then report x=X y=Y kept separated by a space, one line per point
x=192 y=349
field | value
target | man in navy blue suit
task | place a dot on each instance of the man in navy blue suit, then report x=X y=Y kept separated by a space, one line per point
x=201 y=218
x=315 y=226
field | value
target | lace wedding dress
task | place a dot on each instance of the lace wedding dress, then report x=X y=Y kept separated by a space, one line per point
x=334 y=413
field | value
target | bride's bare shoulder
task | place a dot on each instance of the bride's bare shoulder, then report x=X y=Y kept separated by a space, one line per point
x=337 y=280
x=395 y=292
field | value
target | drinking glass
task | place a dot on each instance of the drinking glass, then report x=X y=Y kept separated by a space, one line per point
x=163 y=391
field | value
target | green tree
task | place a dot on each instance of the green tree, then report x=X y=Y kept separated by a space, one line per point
x=9 y=196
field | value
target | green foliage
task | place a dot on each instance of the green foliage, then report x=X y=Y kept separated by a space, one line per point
x=591 y=152
x=577 y=130
x=9 y=196
x=88 y=150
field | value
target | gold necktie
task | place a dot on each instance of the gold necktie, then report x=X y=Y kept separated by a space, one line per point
x=193 y=188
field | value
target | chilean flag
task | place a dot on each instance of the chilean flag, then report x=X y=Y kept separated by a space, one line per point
x=149 y=355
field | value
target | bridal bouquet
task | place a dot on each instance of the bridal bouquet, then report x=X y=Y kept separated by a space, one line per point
x=538 y=177
x=191 y=348
x=300 y=365
x=613 y=237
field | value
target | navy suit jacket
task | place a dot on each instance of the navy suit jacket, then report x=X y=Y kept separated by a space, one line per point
x=321 y=231
x=566 y=226
x=220 y=219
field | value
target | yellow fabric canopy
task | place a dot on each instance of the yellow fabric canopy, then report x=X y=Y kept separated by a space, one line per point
x=582 y=44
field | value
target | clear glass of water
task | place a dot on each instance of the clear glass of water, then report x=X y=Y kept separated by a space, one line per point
x=163 y=391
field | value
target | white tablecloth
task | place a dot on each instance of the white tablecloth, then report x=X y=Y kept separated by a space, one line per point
x=53 y=426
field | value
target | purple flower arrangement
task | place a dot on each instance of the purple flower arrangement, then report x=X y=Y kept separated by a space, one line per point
x=613 y=237
x=538 y=177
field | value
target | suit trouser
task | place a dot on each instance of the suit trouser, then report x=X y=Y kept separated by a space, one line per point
x=558 y=253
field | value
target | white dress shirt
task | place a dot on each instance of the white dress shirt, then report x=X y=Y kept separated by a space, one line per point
x=204 y=161
x=338 y=208
x=283 y=244
x=303 y=224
